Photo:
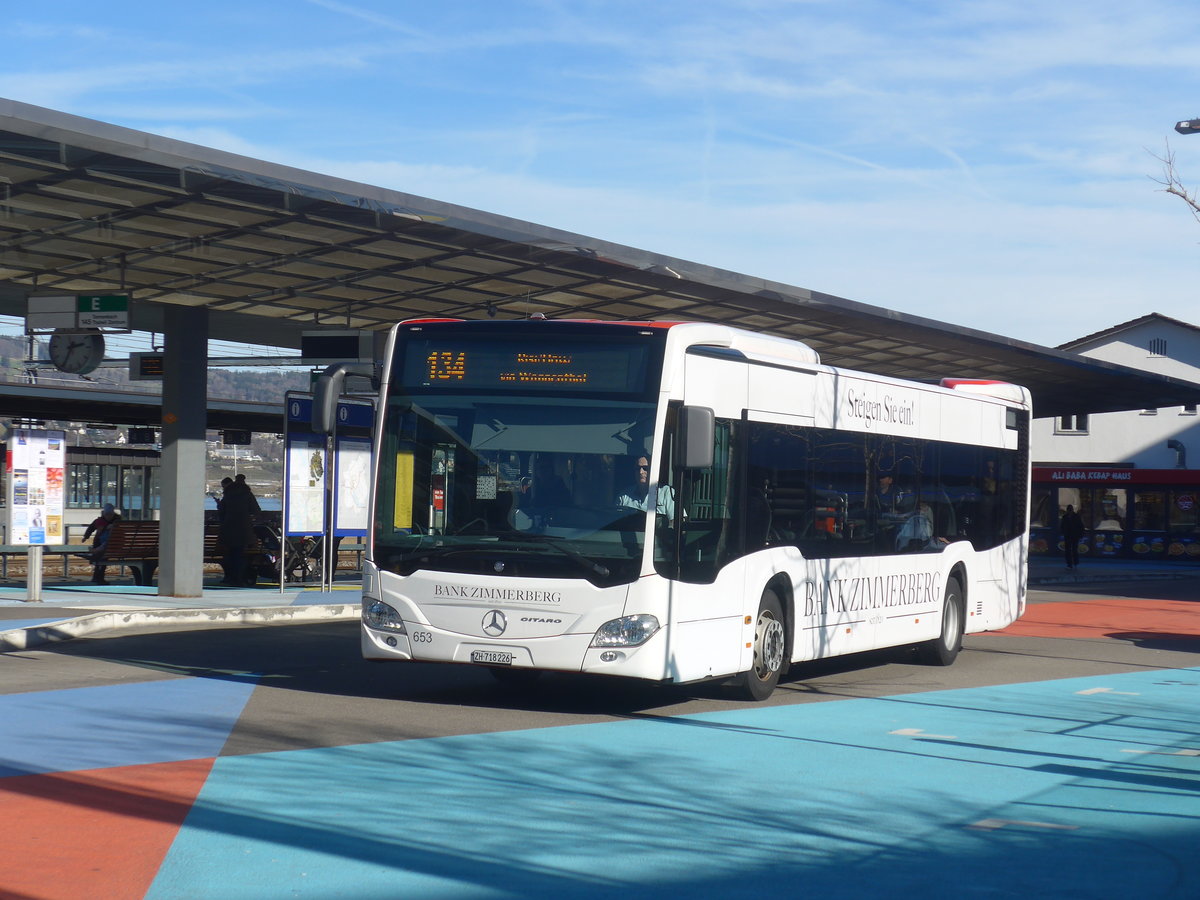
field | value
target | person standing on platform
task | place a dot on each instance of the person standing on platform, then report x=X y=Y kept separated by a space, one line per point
x=100 y=528
x=238 y=506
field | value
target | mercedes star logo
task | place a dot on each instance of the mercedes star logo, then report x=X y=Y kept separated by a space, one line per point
x=494 y=622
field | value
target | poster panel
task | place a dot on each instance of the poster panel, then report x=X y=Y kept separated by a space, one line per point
x=36 y=467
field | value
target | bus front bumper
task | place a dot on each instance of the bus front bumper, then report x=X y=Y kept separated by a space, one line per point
x=564 y=653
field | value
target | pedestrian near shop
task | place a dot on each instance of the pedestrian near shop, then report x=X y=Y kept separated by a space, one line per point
x=1071 y=528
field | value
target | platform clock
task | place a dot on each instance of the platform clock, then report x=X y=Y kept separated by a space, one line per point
x=76 y=352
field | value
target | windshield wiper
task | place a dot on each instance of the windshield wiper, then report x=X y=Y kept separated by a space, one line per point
x=437 y=551
x=571 y=553
x=565 y=549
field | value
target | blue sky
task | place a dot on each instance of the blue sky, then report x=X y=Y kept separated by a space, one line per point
x=988 y=163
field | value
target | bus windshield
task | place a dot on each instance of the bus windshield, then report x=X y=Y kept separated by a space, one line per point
x=526 y=485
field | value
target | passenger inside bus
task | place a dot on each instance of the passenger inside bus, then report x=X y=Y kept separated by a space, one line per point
x=892 y=508
x=885 y=493
x=540 y=496
x=544 y=489
x=919 y=533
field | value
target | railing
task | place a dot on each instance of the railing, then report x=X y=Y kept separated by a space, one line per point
x=65 y=551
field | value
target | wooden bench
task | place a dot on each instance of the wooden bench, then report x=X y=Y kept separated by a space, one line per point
x=135 y=545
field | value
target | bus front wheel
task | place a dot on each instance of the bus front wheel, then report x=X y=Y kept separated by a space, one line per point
x=943 y=650
x=769 y=650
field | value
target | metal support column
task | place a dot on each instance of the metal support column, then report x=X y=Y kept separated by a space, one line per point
x=184 y=417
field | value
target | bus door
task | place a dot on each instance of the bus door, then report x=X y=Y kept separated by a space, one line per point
x=440 y=486
x=707 y=584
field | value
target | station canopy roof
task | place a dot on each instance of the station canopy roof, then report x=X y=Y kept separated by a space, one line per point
x=271 y=251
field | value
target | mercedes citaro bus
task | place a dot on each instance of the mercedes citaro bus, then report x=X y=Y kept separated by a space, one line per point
x=679 y=502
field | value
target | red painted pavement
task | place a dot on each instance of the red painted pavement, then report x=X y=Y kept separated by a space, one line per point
x=97 y=833
x=1127 y=619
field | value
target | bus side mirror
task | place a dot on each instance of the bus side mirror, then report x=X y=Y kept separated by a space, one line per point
x=329 y=388
x=697 y=430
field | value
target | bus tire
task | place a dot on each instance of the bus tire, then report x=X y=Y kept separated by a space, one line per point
x=943 y=650
x=769 y=649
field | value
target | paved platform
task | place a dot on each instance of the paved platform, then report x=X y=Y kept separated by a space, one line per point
x=75 y=609
x=1050 y=571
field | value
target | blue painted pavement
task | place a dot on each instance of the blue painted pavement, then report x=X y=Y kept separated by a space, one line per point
x=1080 y=787
x=120 y=725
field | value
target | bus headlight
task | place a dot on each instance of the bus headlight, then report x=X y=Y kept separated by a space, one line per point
x=628 y=631
x=377 y=614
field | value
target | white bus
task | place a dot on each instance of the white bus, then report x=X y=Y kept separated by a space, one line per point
x=679 y=502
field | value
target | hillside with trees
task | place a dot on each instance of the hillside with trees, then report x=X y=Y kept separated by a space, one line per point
x=258 y=385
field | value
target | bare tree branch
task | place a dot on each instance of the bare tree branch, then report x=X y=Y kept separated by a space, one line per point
x=1173 y=184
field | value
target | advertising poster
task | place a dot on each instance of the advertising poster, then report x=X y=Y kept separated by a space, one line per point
x=36 y=466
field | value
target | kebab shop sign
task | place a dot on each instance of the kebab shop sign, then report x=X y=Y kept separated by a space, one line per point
x=1093 y=476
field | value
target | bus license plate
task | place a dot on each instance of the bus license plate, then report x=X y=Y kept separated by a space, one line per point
x=491 y=657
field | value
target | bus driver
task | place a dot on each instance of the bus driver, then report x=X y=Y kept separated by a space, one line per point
x=636 y=494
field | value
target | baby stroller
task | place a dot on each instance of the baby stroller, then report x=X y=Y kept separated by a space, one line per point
x=301 y=555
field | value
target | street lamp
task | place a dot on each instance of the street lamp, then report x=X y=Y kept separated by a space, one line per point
x=1188 y=126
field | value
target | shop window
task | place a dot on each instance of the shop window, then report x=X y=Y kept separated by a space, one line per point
x=1042 y=511
x=1108 y=509
x=1182 y=517
x=1080 y=499
x=1150 y=510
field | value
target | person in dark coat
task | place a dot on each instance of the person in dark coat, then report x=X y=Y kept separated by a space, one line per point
x=238 y=506
x=220 y=501
x=99 y=527
x=1071 y=528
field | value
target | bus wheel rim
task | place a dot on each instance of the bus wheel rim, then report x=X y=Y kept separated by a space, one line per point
x=768 y=648
x=950 y=626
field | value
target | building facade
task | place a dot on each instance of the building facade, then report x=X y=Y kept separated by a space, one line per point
x=1134 y=477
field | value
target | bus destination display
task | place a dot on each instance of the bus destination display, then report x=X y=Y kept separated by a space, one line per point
x=513 y=365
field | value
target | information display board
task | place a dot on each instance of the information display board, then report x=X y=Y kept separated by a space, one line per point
x=304 y=487
x=36 y=468
x=323 y=488
x=514 y=365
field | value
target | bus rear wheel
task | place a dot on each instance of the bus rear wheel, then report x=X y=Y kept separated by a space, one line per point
x=943 y=650
x=769 y=649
